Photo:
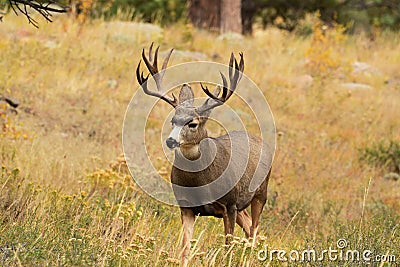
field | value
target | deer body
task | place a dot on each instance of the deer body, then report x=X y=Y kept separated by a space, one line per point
x=239 y=197
x=212 y=176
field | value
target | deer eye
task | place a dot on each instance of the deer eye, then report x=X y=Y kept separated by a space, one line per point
x=192 y=125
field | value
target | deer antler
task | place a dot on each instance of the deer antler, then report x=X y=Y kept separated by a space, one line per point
x=235 y=74
x=156 y=74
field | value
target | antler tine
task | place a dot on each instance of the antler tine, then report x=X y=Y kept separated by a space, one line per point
x=141 y=79
x=150 y=52
x=151 y=64
x=238 y=71
x=235 y=75
x=211 y=95
x=164 y=66
x=231 y=64
x=152 y=69
x=225 y=86
x=155 y=62
x=241 y=64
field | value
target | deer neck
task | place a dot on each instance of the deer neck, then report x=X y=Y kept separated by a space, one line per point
x=191 y=150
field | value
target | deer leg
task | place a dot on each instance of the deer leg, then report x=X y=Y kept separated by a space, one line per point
x=188 y=217
x=243 y=219
x=229 y=222
x=257 y=206
x=248 y=217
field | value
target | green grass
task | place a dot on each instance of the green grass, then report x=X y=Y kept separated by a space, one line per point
x=66 y=198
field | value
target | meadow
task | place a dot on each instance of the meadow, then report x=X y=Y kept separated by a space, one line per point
x=67 y=199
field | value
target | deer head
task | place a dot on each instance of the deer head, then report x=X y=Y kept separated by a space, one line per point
x=188 y=121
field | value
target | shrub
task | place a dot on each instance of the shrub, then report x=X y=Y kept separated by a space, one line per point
x=10 y=128
x=384 y=154
x=322 y=53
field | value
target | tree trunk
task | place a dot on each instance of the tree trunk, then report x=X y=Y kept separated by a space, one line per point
x=249 y=10
x=231 y=17
x=205 y=14
x=221 y=15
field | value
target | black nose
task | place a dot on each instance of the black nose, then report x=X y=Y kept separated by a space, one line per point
x=171 y=143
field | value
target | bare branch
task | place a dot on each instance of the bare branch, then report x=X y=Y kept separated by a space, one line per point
x=12 y=102
x=45 y=9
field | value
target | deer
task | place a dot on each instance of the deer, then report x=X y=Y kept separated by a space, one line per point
x=200 y=161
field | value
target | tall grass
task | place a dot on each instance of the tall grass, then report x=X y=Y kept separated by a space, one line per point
x=67 y=199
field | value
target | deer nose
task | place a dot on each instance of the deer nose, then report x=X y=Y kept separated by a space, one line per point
x=172 y=143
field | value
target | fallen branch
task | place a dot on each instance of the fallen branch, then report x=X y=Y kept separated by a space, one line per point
x=12 y=102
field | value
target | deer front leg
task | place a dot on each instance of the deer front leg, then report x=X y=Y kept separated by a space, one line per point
x=188 y=217
x=229 y=218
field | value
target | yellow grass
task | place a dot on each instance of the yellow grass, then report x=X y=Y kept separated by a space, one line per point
x=68 y=206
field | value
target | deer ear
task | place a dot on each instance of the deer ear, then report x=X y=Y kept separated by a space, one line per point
x=186 y=96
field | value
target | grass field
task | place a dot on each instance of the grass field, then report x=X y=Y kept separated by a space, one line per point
x=66 y=198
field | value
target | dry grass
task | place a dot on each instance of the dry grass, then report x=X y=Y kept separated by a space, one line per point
x=61 y=203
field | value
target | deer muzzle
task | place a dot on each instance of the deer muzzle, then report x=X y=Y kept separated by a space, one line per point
x=172 y=143
x=173 y=140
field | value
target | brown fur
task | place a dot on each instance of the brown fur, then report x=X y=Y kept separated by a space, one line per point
x=200 y=162
x=231 y=207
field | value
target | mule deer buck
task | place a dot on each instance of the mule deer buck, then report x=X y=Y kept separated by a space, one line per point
x=208 y=178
